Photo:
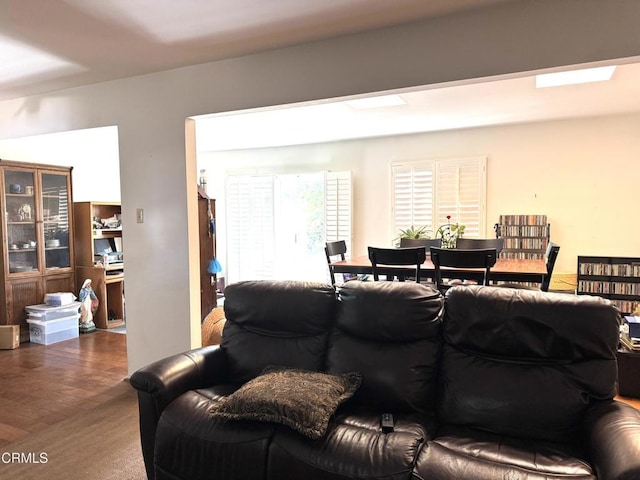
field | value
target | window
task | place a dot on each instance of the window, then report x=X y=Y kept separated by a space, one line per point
x=250 y=227
x=338 y=207
x=285 y=217
x=424 y=193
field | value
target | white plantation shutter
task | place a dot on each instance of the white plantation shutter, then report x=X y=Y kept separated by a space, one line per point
x=337 y=207
x=425 y=193
x=250 y=227
x=460 y=192
x=412 y=195
x=255 y=206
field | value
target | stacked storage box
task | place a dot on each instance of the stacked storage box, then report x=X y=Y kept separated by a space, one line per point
x=53 y=323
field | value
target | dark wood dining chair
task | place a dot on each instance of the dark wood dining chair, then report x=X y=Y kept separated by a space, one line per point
x=484 y=258
x=394 y=257
x=420 y=242
x=550 y=256
x=474 y=243
x=331 y=250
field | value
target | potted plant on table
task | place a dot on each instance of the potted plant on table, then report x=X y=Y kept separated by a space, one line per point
x=413 y=232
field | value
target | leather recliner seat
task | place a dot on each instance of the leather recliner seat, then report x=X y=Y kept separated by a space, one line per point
x=497 y=383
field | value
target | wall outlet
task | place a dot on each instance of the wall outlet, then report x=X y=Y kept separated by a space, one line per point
x=139 y=215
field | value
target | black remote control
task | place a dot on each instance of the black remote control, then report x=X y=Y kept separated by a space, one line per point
x=386 y=422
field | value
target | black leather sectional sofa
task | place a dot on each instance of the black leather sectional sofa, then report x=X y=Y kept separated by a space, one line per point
x=489 y=383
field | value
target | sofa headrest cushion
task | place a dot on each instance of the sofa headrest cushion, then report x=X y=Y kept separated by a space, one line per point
x=390 y=333
x=389 y=311
x=525 y=363
x=281 y=308
x=283 y=323
x=529 y=325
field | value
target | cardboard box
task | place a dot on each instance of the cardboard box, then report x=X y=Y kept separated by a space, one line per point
x=9 y=337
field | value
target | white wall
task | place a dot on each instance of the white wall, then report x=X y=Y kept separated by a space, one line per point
x=93 y=154
x=581 y=173
x=149 y=111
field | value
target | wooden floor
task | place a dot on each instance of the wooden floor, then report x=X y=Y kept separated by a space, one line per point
x=42 y=385
x=634 y=402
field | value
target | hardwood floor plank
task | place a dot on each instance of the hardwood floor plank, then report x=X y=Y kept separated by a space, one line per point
x=634 y=402
x=9 y=433
x=41 y=385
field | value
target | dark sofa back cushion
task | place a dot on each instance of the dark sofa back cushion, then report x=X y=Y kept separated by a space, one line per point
x=525 y=363
x=389 y=332
x=279 y=323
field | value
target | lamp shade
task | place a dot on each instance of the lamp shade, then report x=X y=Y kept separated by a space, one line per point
x=214 y=266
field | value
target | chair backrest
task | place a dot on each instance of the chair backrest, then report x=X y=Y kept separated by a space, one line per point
x=332 y=249
x=550 y=255
x=420 y=242
x=471 y=243
x=397 y=257
x=461 y=258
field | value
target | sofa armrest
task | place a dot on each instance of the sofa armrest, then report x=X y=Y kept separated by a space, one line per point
x=170 y=377
x=159 y=383
x=612 y=433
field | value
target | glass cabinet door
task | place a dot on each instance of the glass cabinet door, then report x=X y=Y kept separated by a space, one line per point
x=55 y=220
x=20 y=218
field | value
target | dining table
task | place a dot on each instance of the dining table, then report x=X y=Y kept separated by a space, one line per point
x=515 y=270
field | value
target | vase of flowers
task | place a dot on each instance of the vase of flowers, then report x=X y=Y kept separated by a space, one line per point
x=449 y=233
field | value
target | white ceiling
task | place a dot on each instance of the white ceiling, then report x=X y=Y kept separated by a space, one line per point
x=496 y=102
x=49 y=45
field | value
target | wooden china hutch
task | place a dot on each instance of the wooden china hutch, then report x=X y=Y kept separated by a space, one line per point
x=37 y=237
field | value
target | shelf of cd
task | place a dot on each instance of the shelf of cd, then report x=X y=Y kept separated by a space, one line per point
x=615 y=278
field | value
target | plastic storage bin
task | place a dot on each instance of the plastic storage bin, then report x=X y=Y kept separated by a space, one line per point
x=59 y=298
x=50 y=312
x=46 y=332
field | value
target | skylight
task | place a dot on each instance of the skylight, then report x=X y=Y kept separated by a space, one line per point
x=585 y=75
